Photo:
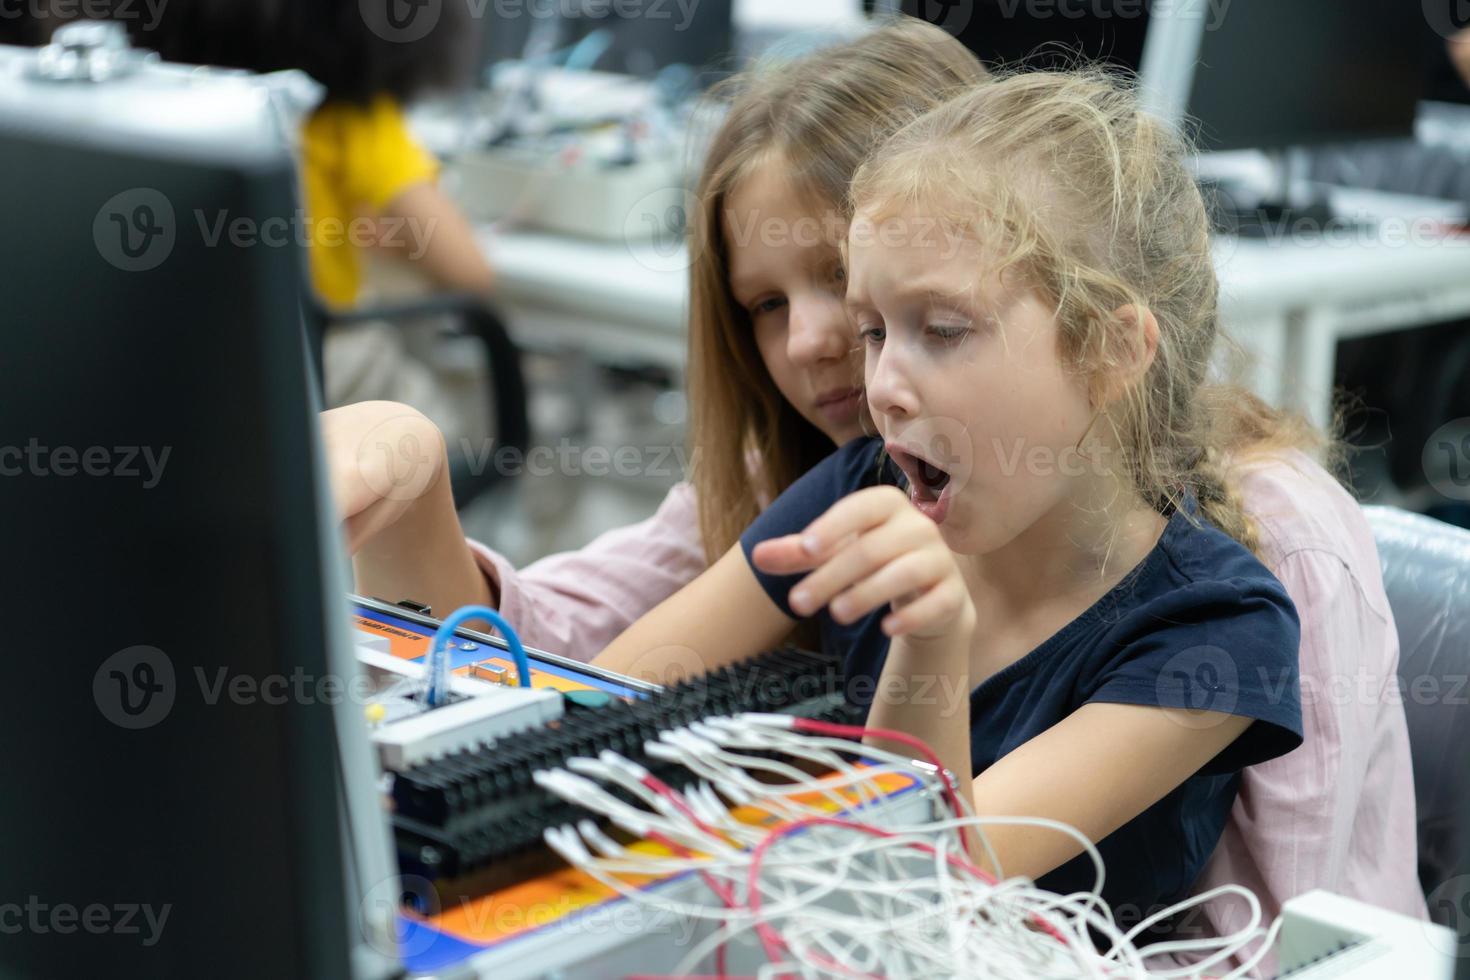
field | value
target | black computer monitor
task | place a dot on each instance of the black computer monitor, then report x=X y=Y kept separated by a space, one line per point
x=646 y=35
x=174 y=803
x=1251 y=73
x=1052 y=34
x=1309 y=72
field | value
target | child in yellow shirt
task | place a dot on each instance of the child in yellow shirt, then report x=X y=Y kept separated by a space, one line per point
x=369 y=187
x=368 y=184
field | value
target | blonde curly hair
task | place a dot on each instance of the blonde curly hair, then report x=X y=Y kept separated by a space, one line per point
x=1090 y=199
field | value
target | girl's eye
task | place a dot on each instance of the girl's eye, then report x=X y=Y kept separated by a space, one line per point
x=873 y=334
x=948 y=334
x=767 y=306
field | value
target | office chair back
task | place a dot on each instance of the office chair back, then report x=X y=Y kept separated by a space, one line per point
x=510 y=399
x=1426 y=572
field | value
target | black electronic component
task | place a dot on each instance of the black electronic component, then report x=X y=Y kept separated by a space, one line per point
x=201 y=509
x=413 y=605
x=472 y=821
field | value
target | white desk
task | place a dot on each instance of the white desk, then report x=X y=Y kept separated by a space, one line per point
x=595 y=297
x=1289 y=303
x=1286 y=302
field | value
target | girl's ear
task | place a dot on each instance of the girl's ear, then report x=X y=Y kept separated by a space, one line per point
x=1133 y=342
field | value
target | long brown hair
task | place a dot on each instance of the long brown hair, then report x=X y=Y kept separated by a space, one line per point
x=819 y=116
x=1090 y=199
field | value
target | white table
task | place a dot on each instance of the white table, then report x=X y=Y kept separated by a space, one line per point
x=595 y=297
x=1287 y=302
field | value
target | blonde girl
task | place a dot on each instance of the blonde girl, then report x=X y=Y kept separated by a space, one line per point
x=774 y=383
x=1038 y=565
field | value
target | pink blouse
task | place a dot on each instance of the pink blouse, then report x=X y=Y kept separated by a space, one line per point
x=577 y=602
x=1337 y=813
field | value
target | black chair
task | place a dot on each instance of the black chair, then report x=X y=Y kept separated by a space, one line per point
x=509 y=400
x=1426 y=573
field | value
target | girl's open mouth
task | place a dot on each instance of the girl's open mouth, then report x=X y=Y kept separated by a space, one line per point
x=929 y=484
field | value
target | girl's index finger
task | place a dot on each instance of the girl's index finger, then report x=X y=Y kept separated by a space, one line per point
x=782 y=556
x=786 y=556
x=850 y=517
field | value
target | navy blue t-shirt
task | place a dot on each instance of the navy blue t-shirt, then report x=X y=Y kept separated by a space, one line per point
x=1199 y=623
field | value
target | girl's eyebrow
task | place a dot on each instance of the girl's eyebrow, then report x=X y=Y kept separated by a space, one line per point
x=934 y=297
x=958 y=301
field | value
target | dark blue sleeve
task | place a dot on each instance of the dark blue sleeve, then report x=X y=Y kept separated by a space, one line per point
x=850 y=468
x=1228 y=646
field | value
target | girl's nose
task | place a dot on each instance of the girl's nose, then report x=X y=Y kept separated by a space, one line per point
x=818 y=331
x=889 y=382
